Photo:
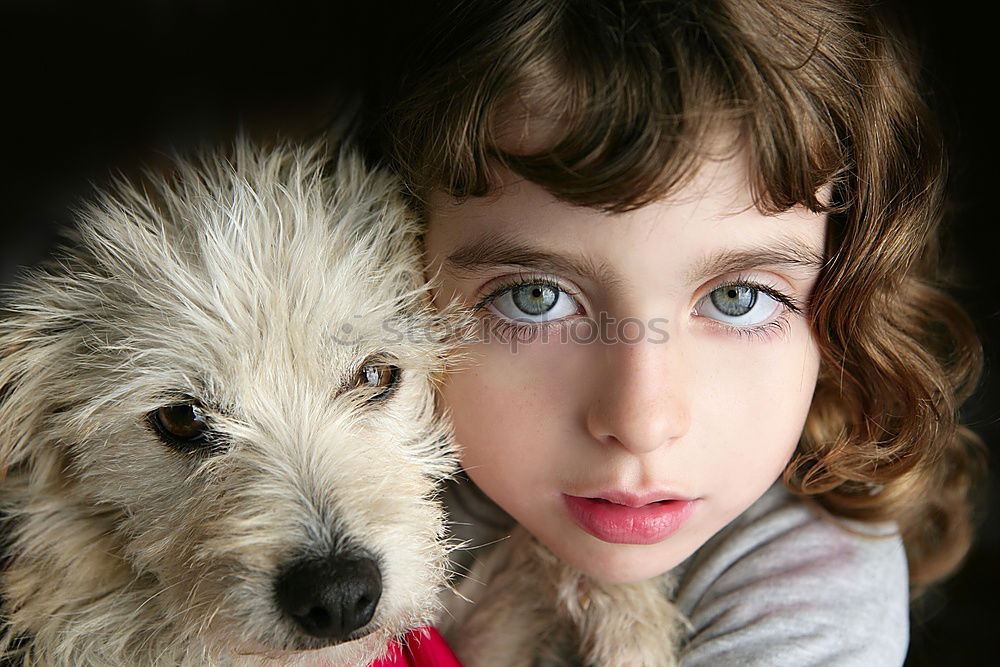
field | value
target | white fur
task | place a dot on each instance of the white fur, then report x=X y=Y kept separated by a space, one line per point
x=537 y=611
x=256 y=282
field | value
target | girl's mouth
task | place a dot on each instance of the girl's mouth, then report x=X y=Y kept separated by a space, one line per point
x=622 y=524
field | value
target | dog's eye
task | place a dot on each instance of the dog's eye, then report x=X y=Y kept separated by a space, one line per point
x=182 y=424
x=377 y=375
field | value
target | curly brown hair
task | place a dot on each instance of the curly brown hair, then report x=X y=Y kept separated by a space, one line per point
x=822 y=93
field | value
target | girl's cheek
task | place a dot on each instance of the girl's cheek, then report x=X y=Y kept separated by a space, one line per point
x=510 y=383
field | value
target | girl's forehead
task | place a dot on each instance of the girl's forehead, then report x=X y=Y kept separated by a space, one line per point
x=709 y=225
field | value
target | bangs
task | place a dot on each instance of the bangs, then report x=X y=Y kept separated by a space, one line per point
x=615 y=114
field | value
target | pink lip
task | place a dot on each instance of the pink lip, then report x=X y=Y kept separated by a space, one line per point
x=621 y=518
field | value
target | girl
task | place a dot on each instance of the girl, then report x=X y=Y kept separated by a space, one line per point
x=702 y=240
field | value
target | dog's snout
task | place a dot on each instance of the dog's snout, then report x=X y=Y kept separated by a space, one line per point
x=331 y=597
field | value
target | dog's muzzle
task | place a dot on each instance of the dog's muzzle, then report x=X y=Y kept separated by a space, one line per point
x=330 y=598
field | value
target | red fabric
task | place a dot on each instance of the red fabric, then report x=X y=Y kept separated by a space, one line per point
x=423 y=647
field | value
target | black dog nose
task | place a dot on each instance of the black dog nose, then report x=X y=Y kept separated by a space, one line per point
x=330 y=597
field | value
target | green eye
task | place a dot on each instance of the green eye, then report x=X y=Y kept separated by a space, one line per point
x=734 y=300
x=534 y=299
x=531 y=301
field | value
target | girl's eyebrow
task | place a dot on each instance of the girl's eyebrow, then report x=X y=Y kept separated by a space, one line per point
x=494 y=249
x=786 y=253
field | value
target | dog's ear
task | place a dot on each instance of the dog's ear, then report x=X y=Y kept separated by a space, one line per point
x=29 y=357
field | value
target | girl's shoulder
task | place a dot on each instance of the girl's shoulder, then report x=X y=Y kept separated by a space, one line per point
x=786 y=584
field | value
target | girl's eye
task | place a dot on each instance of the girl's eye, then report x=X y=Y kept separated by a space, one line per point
x=738 y=304
x=745 y=306
x=533 y=302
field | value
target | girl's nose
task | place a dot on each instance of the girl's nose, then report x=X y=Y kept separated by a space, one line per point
x=640 y=401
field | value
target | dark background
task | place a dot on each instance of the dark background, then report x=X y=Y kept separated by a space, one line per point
x=90 y=87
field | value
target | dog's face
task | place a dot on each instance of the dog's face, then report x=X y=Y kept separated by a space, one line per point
x=226 y=391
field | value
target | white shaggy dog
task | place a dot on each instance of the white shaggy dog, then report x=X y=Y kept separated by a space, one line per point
x=217 y=423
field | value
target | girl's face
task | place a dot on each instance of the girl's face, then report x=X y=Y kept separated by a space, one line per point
x=641 y=378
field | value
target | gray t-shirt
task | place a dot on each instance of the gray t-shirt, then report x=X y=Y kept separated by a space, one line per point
x=780 y=585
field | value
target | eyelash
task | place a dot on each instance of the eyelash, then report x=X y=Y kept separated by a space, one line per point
x=505 y=327
x=760 y=332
